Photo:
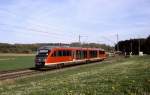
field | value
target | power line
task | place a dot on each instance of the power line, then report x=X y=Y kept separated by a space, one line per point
x=81 y=37
x=25 y=33
x=108 y=39
x=37 y=24
x=30 y=29
x=46 y=34
x=48 y=26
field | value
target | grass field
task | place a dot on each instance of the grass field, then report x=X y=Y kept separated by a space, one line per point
x=130 y=76
x=16 y=61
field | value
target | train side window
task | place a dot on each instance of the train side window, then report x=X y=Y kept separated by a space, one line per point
x=85 y=54
x=82 y=54
x=93 y=54
x=68 y=53
x=102 y=52
x=54 y=54
x=64 y=53
x=60 y=53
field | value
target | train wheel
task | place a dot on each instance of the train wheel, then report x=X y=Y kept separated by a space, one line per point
x=59 y=66
x=87 y=61
x=62 y=65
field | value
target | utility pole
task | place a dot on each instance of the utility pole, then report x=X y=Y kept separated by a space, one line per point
x=139 y=46
x=60 y=44
x=131 y=48
x=79 y=39
x=117 y=42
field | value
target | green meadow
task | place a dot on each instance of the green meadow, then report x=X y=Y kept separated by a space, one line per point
x=124 y=76
x=16 y=61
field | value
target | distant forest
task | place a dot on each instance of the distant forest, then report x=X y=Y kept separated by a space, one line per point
x=32 y=48
x=124 y=46
x=135 y=45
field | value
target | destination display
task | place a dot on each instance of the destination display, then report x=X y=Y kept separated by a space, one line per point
x=43 y=51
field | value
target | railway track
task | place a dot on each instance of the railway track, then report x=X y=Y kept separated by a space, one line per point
x=4 y=75
x=15 y=74
x=30 y=71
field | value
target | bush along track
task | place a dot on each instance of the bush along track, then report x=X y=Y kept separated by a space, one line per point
x=130 y=76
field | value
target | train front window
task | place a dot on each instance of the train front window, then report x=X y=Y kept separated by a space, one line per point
x=43 y=53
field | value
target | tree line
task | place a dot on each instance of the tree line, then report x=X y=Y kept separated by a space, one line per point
x=32 y=48
x=134 y=46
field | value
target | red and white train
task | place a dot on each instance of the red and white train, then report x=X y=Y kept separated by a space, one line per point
x=47 y=56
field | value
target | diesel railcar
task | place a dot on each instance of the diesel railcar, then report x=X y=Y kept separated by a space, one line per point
x=47 y=56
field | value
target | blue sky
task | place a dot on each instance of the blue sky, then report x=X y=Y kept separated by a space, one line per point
x=38 y=21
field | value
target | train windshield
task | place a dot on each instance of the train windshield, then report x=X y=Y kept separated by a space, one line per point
x=42 y=53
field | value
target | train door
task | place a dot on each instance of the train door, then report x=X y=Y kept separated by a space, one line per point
x=74 y=55
x=80 y=54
